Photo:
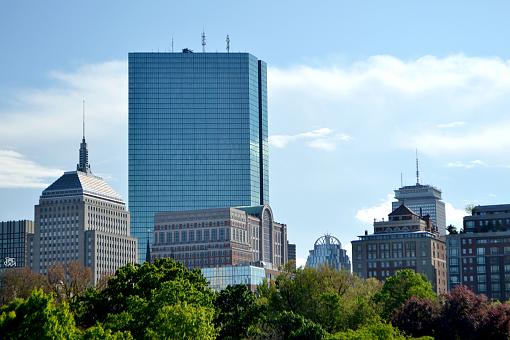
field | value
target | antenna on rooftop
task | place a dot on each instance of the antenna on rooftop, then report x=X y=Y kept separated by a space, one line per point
x=417 y=169
x=228 y=44
x=203 y=40
x=172 y=44
x=83 y=113
x=401 y=180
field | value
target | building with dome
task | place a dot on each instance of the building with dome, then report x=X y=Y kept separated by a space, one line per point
x=81 y=218
x=328 y=251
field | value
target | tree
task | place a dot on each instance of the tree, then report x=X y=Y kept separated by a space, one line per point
x=375 y=330
x=417 y=317
x=287 y=325
x=399 y=288
x=69 y=279
x=463 y=314
x=335 y=300
x=497 y=322
x=37 y=317
x=19 y=283
x=135 y=297
x=237 y=311
x=452 y=230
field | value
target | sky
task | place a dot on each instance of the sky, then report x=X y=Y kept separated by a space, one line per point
x=354 y=88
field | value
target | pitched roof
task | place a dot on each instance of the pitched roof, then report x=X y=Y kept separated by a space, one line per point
x=402 y=210
x=81 y=183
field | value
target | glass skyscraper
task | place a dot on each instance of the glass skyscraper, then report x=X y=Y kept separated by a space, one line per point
x=198 y=135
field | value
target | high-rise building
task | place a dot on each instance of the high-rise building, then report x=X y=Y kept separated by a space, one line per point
x=328 y=251
x=198 y=134
x=15 y=244
x=81 y=218
x=423 y=200
x=221 y=237
x=405 y=240
x=479 y=256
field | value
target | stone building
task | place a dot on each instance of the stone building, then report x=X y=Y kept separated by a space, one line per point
x=405 y=240
x=81 y=218
x=221 y=237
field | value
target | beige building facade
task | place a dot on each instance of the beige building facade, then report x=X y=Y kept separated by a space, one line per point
x=405 y=240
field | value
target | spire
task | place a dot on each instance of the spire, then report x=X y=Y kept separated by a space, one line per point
x=417 y=169
x=148 y=250
x=83 y=165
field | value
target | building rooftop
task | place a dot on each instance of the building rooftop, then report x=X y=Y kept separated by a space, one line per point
x=77 y=183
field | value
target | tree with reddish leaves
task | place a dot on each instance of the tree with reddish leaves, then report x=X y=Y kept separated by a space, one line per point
x=497 y=322
x=418 y=317
x=464 y=314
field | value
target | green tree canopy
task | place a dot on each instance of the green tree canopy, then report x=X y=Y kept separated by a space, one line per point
x=399 y=288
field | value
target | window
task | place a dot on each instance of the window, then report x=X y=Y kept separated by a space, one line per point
x=480 y=251
x=480 y=260
x=480 y=269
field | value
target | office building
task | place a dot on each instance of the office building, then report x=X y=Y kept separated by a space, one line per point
x=405 y=240
x=252 y=276
x=81 y=218
x=15 y=244
x=291 y=250
x=221 y=237
x=198 y=134
x=328 y=251
x=423 y=200
x=479 y=257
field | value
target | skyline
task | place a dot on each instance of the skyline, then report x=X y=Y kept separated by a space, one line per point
x=441 y=89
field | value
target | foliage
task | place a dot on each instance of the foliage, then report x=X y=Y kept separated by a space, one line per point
x=336 y=300
x=237 y=311
x=287 y=325
x=418 y=316
x=19 y=283
x=69 y=279
x=98 y=333
x=182 y=321
x=463 y=314
x=376 y=330
x=36 y=317
x=399 y=288
x=135 y=297
x=452 y=230
x=497 y=322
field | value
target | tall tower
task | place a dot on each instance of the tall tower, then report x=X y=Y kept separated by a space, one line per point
x=83 y=164
x=423 y=200
x=198 y=134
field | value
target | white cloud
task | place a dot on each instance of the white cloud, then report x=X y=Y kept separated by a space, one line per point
x=18 y=172
x=300 y=262
x=466 y=165
x=403 y=102
x=454 y=216
x=378 y=211
x=322 y=138
x=451 y=125
x=55 y=113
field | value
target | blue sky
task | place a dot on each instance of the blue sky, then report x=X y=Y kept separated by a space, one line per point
x=354 y=88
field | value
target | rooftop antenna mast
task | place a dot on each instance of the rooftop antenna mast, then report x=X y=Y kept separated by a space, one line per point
x=401 y=180
x=417 y=169
x=228 y=44
x=83 y=113
x=172 y=44
x=203 y=40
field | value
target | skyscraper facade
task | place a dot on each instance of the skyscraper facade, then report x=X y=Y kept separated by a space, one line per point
x=81 y=218
x=198 y=135
x=328 y=251
x=423 y=200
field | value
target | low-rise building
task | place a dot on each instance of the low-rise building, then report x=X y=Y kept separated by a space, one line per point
x=250 y=275
x=220 y=237
x=405 y=240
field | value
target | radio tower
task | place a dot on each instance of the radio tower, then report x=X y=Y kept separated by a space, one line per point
x=228 y=43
